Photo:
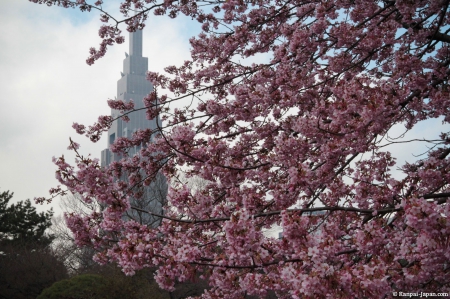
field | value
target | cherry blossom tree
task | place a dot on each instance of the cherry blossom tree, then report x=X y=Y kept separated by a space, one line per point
x=304 y=131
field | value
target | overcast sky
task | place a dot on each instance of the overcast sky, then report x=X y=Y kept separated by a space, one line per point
x=46 y=86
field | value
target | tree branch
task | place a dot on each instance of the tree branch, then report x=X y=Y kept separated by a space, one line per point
x=441 y=37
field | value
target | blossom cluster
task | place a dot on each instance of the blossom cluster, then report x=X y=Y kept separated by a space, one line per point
x=299 y=141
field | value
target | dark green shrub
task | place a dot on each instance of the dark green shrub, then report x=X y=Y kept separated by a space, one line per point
x=81 y=287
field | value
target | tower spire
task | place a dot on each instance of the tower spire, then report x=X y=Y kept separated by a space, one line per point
x=136 y=43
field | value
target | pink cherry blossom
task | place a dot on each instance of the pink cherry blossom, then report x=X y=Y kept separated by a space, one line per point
x=299 y=141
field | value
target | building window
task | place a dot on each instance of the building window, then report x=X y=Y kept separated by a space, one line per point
x=126 y=132
x=112 y=137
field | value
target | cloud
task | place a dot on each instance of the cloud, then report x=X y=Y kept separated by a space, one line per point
x=410 y=152
x=45 y=86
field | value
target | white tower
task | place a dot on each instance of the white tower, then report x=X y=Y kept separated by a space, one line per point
x=134 y=86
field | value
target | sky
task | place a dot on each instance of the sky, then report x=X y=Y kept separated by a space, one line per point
x=46 y=86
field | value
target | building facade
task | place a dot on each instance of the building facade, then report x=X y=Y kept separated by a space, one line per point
x=134 y=86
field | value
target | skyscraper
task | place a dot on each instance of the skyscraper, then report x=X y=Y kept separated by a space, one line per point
x=133 y=85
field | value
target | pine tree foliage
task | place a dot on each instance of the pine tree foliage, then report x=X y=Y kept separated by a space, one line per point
x=21 y=223
x=27 y=262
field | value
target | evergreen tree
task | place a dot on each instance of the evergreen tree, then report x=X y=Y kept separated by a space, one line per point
x=20 y=223
x=27 y=263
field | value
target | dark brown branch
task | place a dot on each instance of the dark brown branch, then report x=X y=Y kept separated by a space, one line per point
x=441 y=37
x=438 y=195
x=272 y=213
x=346 y=252
x=443 y=198
x=444 y=154
x=246 y=267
